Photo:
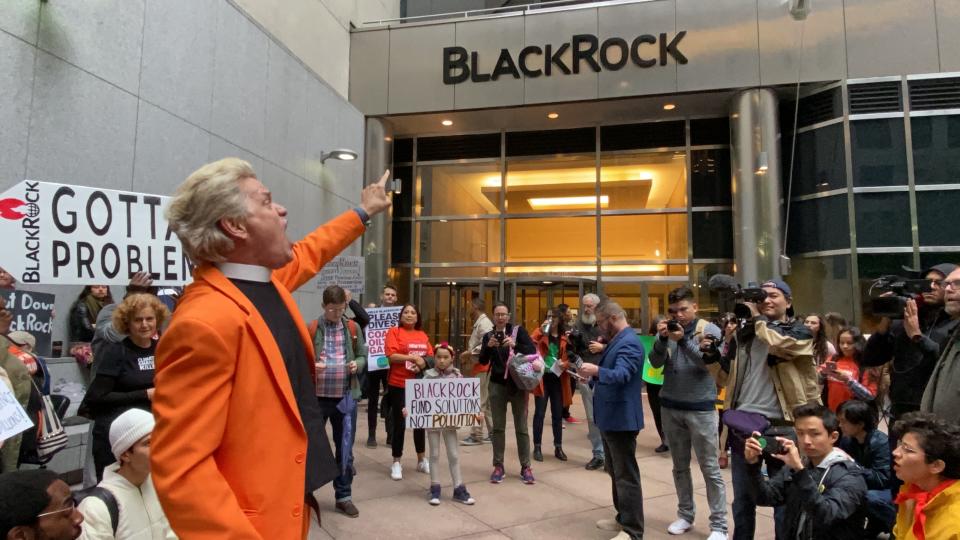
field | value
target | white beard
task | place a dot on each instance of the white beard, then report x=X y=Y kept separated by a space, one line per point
x=588 y=319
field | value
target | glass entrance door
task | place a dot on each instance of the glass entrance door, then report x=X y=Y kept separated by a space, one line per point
x=533 y=298
x=445 y=307
x=641 y=300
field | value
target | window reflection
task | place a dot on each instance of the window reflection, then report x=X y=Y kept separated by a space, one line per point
x=460 y=189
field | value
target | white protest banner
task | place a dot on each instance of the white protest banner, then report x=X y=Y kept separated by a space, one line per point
x=74 y=235
x=13 y=419
x=346 y=271
x=381 y=320
x=442 y=403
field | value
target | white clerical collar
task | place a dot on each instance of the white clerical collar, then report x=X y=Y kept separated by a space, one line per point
x=245 y=272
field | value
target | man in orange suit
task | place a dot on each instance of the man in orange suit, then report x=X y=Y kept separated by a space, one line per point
x=239 y=447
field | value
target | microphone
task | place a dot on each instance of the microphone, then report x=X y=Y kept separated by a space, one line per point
x=723 y=282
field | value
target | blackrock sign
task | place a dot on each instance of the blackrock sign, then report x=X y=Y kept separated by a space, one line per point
x=73 y=235
x=644 y=51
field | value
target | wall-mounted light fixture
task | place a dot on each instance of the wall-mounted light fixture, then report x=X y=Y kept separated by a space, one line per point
x=341 y=153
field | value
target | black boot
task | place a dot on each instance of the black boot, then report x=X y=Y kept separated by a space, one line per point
x=558 y=452
x=537 y=454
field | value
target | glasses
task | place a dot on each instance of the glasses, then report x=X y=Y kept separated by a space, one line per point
x=335 y=309
x=68 y=506
x=501 y=314
x=951 y=284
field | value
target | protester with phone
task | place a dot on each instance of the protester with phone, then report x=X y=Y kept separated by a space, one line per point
x=821 y=487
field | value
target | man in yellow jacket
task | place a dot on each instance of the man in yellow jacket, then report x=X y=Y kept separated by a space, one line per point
x=238 y=443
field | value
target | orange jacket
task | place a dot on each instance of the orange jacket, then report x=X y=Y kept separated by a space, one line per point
x=228 y=450
x=543 y=347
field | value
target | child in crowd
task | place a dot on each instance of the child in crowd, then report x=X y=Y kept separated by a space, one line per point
x=844 y=377
x=443 y=369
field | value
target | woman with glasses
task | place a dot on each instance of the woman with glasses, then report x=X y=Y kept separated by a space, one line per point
x=927 y=460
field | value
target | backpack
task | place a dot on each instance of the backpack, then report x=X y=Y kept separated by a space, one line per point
x=351 y=326
x=108 y=499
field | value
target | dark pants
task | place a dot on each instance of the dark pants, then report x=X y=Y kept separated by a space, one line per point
x=552 y=392
x=374 y=380
x=328 y=410
x=881 y=512
x=744 y=504
x=102 y=454
x=653 y=396
x=620 y=448
x=397 y=396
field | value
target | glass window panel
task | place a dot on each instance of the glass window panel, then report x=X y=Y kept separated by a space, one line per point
x=649 y=135
x=819 y=225
x=713 y=235
x=710 y=131
x=936 y=217
x=932 y=259
x=630 y=297
x=645 y=270
x=821 y=285
x=551 y=239
x=710 y=177
x=883 y=219
x=399 y=276
x=436 y=305
x=708 y=301
x=401 y=232
x=636 y=181
x=648 y=236
x=550 y=271
x=818 y=161
x=936 y=149
x=878 y=152
x=551 y=185
x=457 y=272
x=476 y=240
x=534 y=299
x=460 y=189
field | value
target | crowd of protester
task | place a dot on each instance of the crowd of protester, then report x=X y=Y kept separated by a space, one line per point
x=844 y=435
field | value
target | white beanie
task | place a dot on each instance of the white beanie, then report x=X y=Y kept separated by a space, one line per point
x=128 y=428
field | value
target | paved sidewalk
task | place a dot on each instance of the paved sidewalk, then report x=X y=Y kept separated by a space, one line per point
x=564 y=504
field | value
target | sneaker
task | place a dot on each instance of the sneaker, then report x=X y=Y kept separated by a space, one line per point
x=571 y=420
x=497 y=475
x=679 y=526
x=396 y=471
x=527 y=476
x=371 y=442
x=471 y=441
x=717 y=535
x=609 y=525
x=487 y=440
x=461 y=495
x=594 y=464
x=423 y=466
x=435 y=494
x=662 y=448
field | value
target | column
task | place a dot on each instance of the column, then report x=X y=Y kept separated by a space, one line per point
x=378 y=156
x=755 y=174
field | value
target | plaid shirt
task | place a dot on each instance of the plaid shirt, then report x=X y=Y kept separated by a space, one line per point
x=334 y=380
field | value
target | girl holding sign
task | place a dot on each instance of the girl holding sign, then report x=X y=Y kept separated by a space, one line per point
x=407 y=348
x=443 y=357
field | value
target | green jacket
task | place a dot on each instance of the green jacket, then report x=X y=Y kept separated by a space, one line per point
x=20 y=381
x=360 y=355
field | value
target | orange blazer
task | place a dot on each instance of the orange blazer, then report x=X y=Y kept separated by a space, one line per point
x=228 y=450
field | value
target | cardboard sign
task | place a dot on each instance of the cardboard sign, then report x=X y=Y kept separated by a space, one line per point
x=346 y=271
x=381 y=320
x=13 y=419
x=73 y=235
x=32 y=312
x=443 y=403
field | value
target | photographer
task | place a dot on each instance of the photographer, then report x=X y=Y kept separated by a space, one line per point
x=498 y=345
x=688 y=400
x=586 y=342
x=913 y=343
x=768 y=374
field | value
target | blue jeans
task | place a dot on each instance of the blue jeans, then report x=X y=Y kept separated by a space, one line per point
x=593 y=432
x=342 y=484
x=744 y=505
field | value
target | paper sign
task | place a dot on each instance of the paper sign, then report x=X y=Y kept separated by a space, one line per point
x=381 y=320
x=74 y=235
x=32 y=312
x=346 y=271
x=13 y=419
x=443 y=403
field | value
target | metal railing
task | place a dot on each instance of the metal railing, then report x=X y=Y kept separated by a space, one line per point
x=486 y=12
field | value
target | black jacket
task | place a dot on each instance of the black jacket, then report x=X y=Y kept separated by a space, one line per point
x=579 y=341
x=873 y=456
x=497 y=357
x=913 y=361
x=836 y=513
x=81 y=329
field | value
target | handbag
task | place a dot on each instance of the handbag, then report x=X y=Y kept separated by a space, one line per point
x=526 y=370
x=51 y=437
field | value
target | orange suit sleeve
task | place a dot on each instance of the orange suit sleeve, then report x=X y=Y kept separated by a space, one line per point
x=194 y=381
x=318 y=248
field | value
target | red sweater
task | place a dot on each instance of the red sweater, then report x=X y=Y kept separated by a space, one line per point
x=403 y=341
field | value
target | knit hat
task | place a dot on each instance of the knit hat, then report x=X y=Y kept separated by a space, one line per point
x=129 y=428
x=779 y=284
x=23 y=338
x=944 y=268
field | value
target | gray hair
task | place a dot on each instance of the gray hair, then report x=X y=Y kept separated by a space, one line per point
x=611 y=309
x=208 y=195
x=591 y=297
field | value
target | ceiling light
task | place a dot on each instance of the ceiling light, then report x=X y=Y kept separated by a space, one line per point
x=656 y=253
x=567 y=203
x=341 y=153
x=669 y=106
x=447 y=122
x=553 y=115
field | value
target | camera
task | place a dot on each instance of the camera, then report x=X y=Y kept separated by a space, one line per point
x=673 y=326
x=903 y=289
x=499 y=336
x=726 y=284
x=770 y=445
x=713 y=348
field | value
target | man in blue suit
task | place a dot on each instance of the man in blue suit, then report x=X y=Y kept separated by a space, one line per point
x=618 y=413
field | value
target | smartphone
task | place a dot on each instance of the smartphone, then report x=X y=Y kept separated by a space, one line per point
x=770 y=445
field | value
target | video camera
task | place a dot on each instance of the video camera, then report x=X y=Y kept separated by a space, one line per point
x=903 y=289
x=726 y=284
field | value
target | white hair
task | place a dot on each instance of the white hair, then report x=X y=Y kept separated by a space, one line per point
x=208 y=195
x=591 y=297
